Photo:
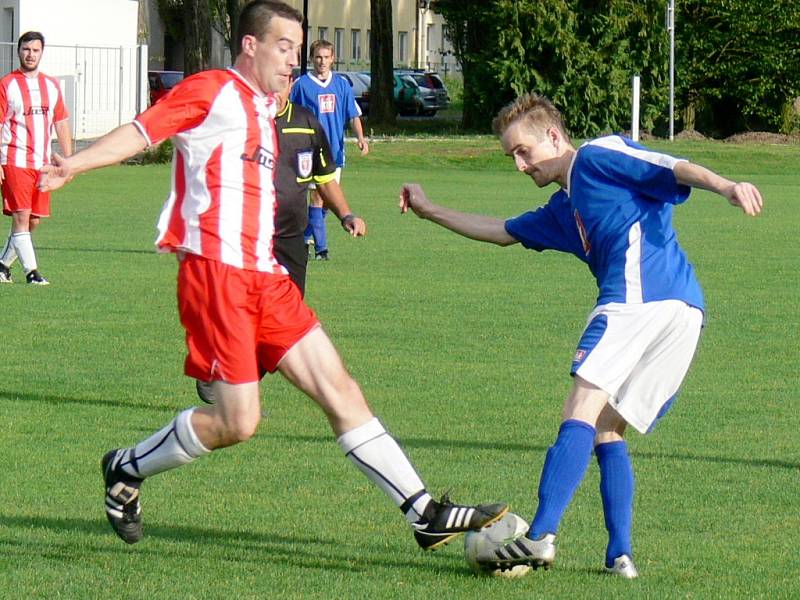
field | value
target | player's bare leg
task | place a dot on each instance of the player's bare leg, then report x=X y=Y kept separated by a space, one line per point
x=193 y=433
x=314 y=366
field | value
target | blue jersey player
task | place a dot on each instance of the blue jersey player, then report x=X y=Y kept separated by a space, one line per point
x=613 y=211
x=330 y=97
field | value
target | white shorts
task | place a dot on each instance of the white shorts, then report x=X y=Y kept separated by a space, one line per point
x=337 y=176
x=639 y=355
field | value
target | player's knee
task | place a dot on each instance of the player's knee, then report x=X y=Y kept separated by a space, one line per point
x=240 y=429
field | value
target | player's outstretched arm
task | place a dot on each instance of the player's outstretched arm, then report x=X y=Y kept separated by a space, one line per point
x=744 y=195
x=333 y=199
x=476 y=227
x=114 y=147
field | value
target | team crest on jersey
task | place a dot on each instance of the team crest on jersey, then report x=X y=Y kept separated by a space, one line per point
x=327 y=103
x=305 y=161
x=580 y=354
x=587 y=247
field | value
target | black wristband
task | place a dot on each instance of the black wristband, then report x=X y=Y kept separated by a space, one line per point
x=348 y=218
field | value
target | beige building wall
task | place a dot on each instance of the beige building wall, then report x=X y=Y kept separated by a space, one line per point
x=419 y=38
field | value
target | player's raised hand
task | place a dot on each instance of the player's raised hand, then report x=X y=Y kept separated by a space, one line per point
x=746 y=196
x=413 y=197
x=53 y=176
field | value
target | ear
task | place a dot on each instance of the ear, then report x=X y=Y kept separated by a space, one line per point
x=249 y=45
x=555 y=137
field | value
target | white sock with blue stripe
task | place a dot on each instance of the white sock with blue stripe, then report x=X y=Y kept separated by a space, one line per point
x=376 y=454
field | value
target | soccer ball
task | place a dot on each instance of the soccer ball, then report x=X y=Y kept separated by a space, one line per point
x=499 y=533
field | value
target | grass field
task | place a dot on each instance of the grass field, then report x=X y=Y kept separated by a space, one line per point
x=463 y=350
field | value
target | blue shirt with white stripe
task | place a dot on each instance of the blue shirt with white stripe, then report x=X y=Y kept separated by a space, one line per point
x=332 y=102
x=616 y=216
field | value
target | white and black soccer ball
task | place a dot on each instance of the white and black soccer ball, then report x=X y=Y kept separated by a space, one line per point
x=507 y=529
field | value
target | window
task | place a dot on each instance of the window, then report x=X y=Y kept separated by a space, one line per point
x=444 y=39
x=338 y=42
x=429 y=38
x=7 y=29
x=322 y=33
x=355 y=44
x=402 y=46
x=369 y=44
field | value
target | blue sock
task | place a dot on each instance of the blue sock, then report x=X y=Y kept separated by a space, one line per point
x=564 y=468
x=616 y=489
x=316 y=220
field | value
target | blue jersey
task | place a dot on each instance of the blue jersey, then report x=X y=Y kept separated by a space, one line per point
x=616 y=216
x=332 y=102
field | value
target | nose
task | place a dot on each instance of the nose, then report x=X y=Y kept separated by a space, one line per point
x=520 y=163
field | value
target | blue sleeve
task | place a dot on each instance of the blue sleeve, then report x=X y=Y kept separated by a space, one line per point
x=633 y=166
x=548 y=227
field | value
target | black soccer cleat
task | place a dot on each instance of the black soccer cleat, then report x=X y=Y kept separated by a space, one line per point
x=122 y=499
x=5 y=274
x=36 y=278
x=447 y=520
x=322 y=255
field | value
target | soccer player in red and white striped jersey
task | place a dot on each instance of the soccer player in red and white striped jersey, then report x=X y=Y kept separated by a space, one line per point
x=31 y=108
x=241 y=312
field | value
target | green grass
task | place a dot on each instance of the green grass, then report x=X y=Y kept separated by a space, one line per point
x=462 y=349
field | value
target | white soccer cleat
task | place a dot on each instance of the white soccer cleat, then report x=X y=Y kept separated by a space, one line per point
x=623 y=567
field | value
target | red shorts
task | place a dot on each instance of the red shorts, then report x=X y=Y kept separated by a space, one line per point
x=238 y=323
x=20 y=192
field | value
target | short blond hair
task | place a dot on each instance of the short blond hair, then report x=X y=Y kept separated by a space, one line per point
x=536 y=111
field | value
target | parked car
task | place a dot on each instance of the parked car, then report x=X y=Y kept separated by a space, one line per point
x=162 y=82
x=433 y=92
x=361 y=83
x=407 y=96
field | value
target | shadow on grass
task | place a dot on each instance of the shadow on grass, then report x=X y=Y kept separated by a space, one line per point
x=290 y=550
x=63 y=400
x=517 y=447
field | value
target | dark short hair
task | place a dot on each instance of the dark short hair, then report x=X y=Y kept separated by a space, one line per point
x=256 y=16
x=29 y=36
x=317 y=44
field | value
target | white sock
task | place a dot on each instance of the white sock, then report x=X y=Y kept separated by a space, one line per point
x=380 y=458
x=8 y=254
x=23 y=245
x=175 y=445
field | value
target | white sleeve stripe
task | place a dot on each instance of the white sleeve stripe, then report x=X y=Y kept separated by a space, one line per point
x=143 y=132
x=614 y=142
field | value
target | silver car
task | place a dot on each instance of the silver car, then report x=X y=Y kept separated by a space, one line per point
x=360 y=83
x=432 y=91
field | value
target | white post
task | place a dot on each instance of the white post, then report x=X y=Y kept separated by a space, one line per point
x=671 y=29
x=143 y=85
x=635 y=111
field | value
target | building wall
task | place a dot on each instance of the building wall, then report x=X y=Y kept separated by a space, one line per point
x=75 y=22
x=417 y=40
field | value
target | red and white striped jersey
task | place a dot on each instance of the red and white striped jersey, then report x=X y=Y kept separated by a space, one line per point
x=29 y=106
x=222 y=204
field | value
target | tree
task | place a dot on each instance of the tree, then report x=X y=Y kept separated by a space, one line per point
x=579 y=53
x=738 y=64
x=381 y=104
x=197 y=36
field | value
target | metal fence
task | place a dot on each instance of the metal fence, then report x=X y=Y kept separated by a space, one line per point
x=103 y=87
